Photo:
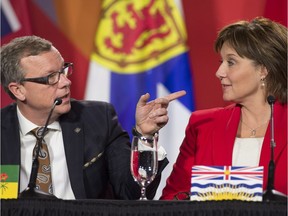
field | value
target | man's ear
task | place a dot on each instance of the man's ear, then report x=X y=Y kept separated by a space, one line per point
x=17 y=90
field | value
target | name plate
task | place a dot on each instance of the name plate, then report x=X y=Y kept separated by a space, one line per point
x=9 y=181
x=226 y=183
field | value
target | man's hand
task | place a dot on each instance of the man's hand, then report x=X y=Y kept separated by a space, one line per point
x=153 y=115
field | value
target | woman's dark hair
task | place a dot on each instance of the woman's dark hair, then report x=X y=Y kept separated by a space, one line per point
x=265 y=42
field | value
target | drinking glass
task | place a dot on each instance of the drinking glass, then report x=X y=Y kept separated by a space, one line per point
x=144 y=161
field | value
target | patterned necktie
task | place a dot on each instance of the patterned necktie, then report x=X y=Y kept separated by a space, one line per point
x=44 y=178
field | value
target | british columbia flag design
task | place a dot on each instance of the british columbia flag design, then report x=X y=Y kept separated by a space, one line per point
x=226 y=183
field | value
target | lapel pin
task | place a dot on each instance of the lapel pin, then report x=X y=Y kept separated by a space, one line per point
x=77 y=130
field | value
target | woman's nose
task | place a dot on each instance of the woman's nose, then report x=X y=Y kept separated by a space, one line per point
x=220 y=73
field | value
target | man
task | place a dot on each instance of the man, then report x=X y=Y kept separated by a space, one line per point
x=89 y=151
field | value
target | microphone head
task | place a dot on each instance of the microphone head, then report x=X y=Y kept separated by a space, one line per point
x=58 y=101
x=271 y=99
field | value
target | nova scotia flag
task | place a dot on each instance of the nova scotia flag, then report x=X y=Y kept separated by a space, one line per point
x=140 y=47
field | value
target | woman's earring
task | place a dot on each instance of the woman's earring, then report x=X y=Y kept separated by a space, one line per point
x=262 y=82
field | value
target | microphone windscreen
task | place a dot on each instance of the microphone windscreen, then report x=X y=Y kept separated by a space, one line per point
x=58 y=101
x=271 y=99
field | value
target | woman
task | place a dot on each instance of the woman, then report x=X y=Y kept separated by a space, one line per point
x=253 y=66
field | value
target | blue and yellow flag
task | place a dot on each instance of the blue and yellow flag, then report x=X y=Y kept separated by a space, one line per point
x=140 y=47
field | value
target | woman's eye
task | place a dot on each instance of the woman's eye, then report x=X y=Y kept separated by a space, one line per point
x=230 y=63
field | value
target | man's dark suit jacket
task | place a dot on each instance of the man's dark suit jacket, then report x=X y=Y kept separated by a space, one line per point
x=97 y=151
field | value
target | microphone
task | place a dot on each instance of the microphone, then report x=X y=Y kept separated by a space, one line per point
x=31 y=191
x=57 y=102
x=270 y=194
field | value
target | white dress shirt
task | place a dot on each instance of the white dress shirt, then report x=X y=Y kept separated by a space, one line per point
x=60 y=177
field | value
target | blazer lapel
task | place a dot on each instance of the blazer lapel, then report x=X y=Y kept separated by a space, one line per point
x=280 y=115
x=11 y=141
x=280 y=123
x=73 y=138
x=224 y=135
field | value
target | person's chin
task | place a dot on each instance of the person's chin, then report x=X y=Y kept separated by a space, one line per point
x=64 y=107
x=227 y=98
x=67 y=107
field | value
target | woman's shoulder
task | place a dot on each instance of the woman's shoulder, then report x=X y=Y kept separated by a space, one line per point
x=216 y=111
x=211 y=117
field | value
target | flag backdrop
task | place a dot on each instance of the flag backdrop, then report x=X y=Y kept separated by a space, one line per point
x=123 y=49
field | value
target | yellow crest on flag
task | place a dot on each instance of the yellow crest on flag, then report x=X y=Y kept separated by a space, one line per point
x=134 y=36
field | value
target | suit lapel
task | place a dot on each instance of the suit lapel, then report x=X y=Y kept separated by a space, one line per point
x=280 y=123
x=73 y=137
x=11 y=141
x=224 y=135
x=280 y=115
x=226 y=130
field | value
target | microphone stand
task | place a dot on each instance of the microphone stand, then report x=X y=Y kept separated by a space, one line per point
x=270 y=194
x=31 y=191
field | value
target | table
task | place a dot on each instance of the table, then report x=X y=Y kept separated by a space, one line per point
x=50 y=207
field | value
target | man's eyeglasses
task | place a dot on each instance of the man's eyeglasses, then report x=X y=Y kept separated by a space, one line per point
x=52 y=78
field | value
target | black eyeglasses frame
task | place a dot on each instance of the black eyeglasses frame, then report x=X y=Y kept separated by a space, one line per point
x=45 y=80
